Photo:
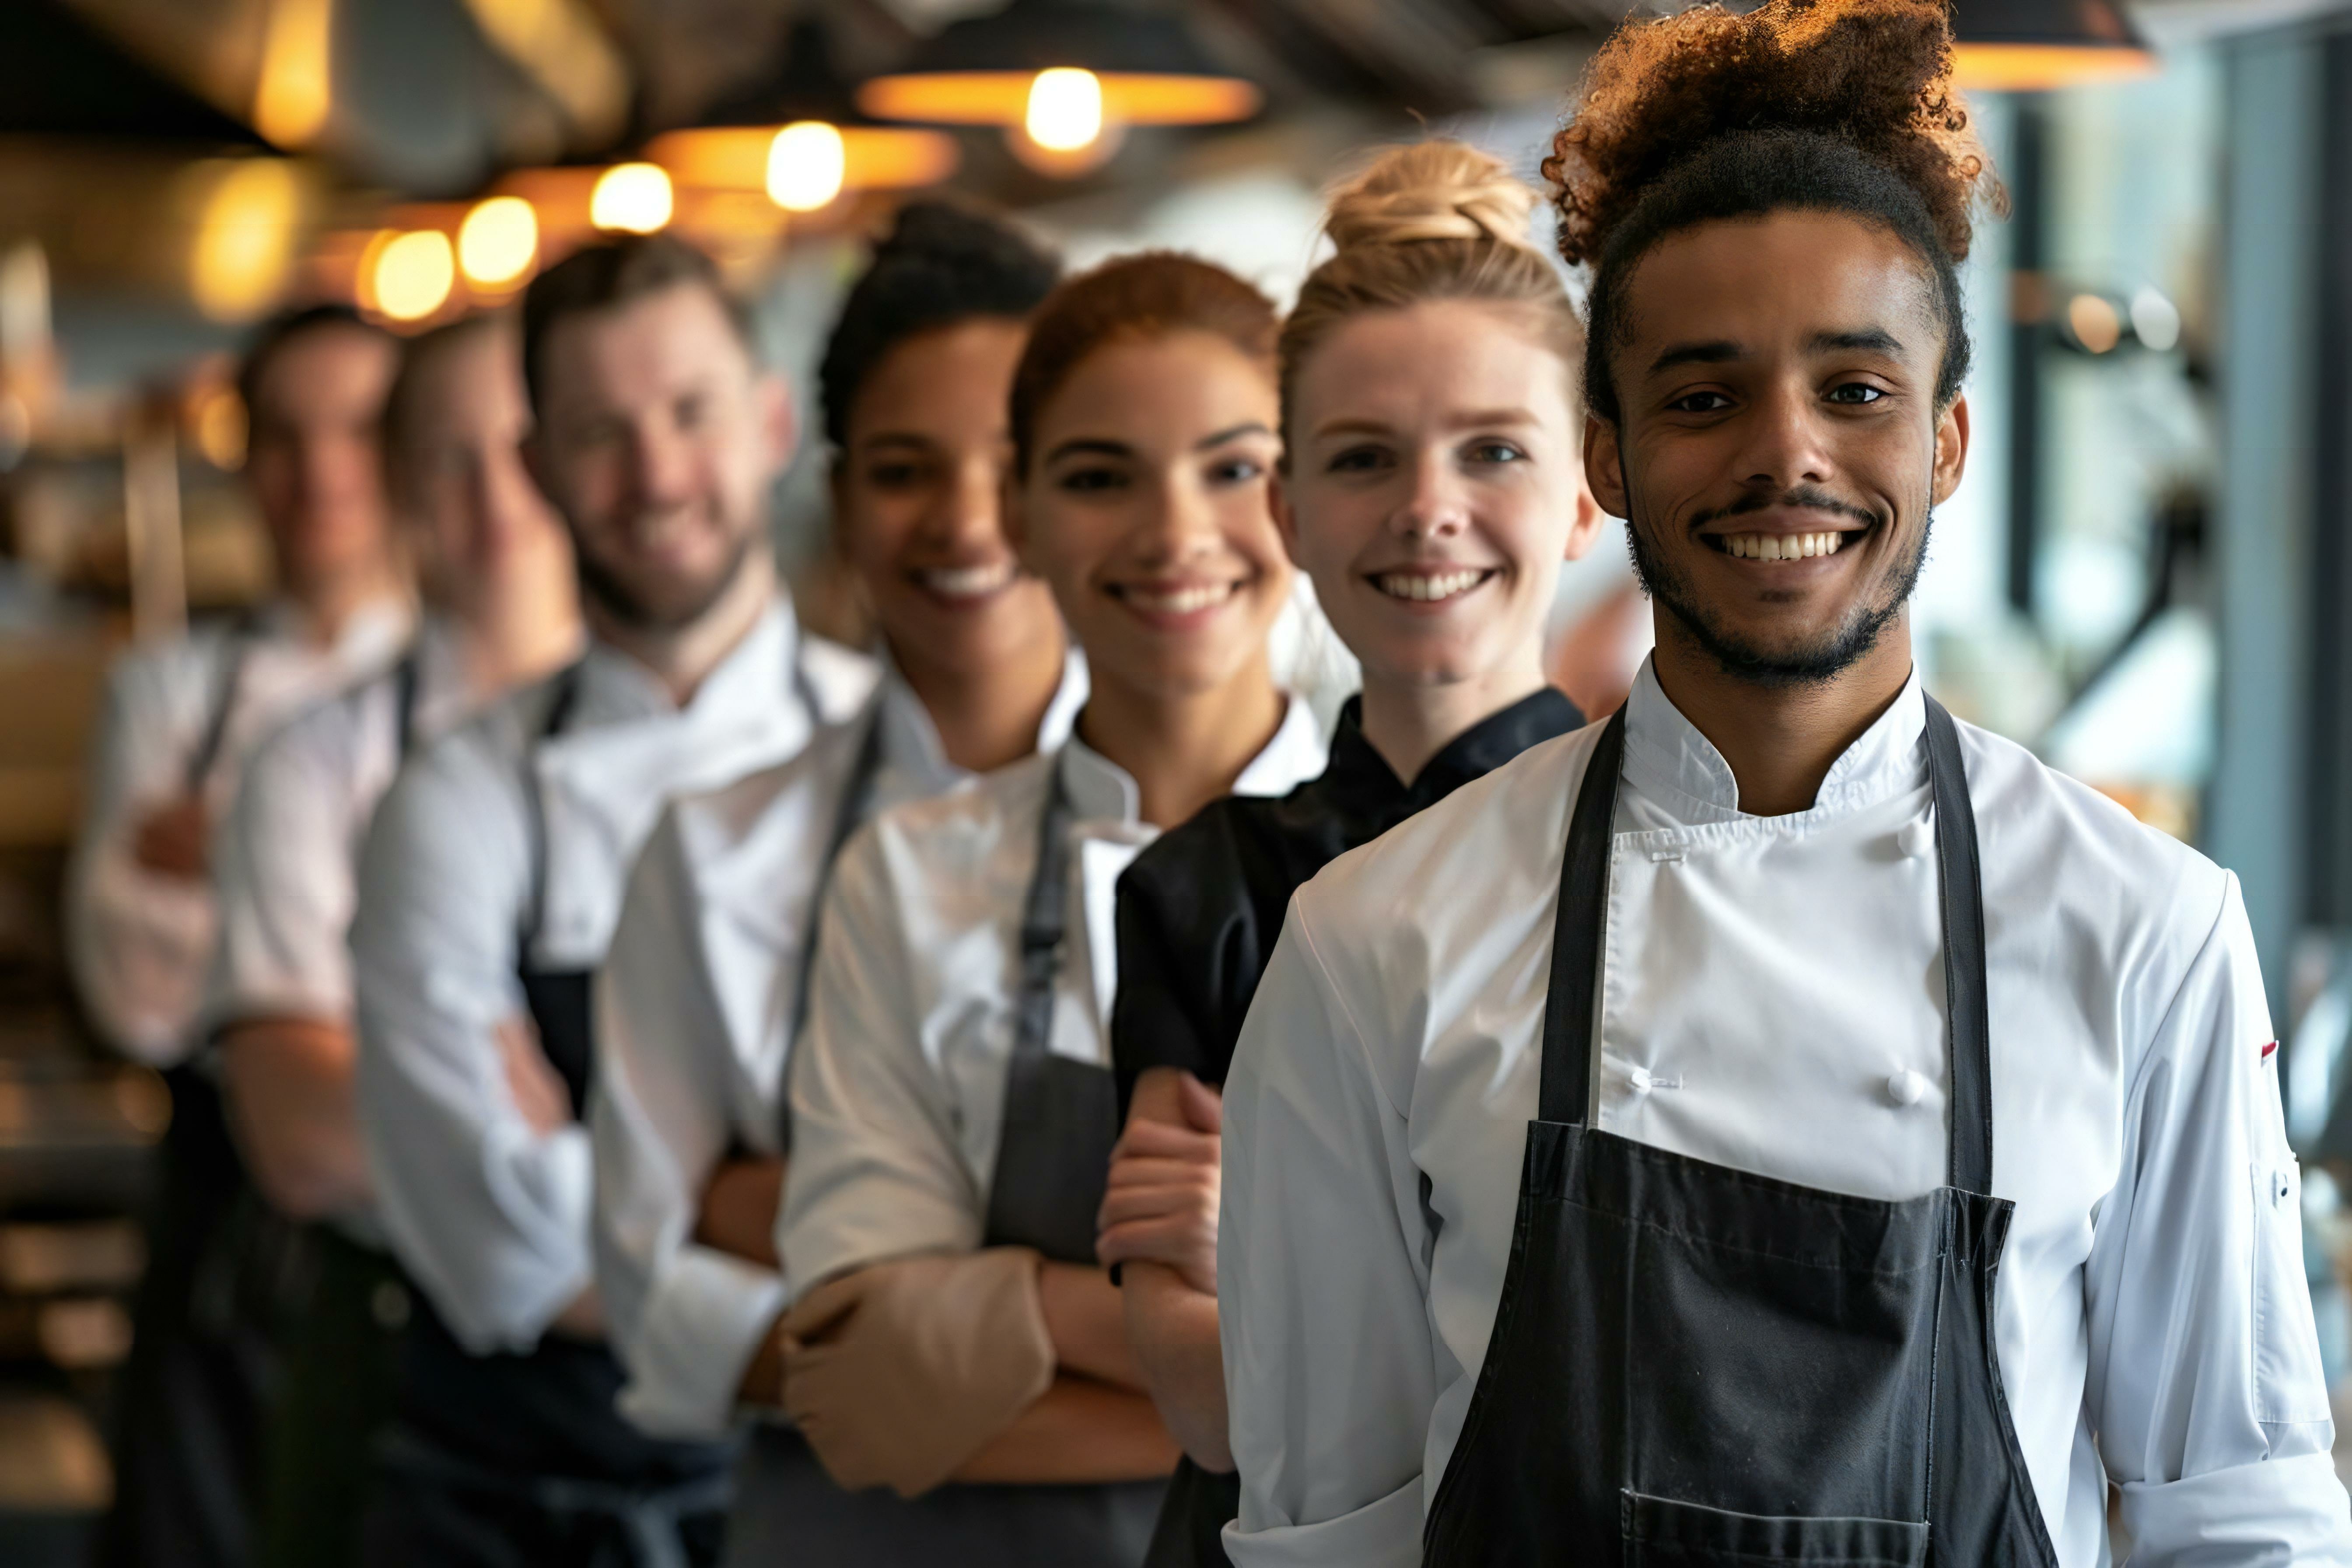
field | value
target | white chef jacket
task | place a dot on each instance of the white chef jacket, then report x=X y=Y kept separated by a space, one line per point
x=899 y=1088
x=1772 y=999
x=286 y=859
x=140 y=944
x=490 y=1217
x=695 y=1005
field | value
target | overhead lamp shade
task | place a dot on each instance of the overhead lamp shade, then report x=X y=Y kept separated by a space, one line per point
x=979 y=70
x=2032 y=46
x=736 y=147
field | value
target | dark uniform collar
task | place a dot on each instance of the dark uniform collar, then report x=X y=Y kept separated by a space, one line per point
x=1359 y=778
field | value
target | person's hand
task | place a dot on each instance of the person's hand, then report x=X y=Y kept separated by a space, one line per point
x=899 y=1373
x=738 y=1216
x=176 y=841
x=537 y=1088
x=1160 y=1205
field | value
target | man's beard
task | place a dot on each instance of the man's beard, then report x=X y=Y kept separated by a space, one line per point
x=627 y=601
x=1744 y=660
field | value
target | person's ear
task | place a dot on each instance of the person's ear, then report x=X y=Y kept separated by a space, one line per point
x=1605 y=465
x=1586 y=528
x=1951 y=449
x=779 y=423
x=1286 y=513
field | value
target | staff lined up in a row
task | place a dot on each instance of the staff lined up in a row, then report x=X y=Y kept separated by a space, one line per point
x=791 y=1104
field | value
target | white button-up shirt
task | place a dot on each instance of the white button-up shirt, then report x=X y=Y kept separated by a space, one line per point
x=286 y=860
x=899 y=1089
x=695 y=1008
x=141 y=943
x=489 y=1216
x=1772 y=1000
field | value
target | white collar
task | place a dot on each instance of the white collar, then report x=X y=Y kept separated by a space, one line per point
x=910 y=740
x=615 y=689
x=1678 y=769
x=1100 y=789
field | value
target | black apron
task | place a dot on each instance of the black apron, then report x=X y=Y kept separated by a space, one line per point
x=1060 y=1122
x=519 y=1456
x=1695 y=1365
x=207 y=1317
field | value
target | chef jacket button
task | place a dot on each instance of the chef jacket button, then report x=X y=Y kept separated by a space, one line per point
x=1907 y=1088
x=1915 y=840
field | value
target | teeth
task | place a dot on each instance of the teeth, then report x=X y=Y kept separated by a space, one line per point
x=1178 y=601
x=1781 y=546
x=1430 y=588
x=968 y=582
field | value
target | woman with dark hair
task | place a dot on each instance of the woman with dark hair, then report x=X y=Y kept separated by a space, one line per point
x=952 y=1336
x=700 y=998
x=1608 y=1157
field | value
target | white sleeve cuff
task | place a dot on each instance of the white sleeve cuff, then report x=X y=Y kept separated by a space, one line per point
x=704 y=1317
x=2290 y=1510
x=1382 y=1535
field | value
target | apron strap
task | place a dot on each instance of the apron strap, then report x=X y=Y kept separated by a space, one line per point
x=856 y=802
x=1582 y=916
x=1566 y=1092
x=404 y=704
x=558 y=712
x=1962 y=880
x=1045 y=920
x=228 y=685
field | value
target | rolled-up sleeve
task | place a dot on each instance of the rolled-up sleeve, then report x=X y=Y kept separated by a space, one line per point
x=140 y=944
x=685 y=1317
x=1321 y=1294
x=876 y=1172
x=488 y=1214
x=2205 y=1388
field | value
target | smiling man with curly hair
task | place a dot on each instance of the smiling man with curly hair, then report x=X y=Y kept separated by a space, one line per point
x=1784 y=1123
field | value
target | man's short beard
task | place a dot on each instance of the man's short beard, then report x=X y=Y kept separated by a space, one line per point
x=621 y=599
x=1743 y=659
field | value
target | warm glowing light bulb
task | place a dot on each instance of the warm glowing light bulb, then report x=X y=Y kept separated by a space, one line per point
x=499 y=241
x=413 y=275
x=1065 y=109
x=807 y=164
x=245 y=238
x=296 y=90
x=634 y=197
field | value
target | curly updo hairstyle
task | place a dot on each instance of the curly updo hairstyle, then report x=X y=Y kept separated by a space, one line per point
x=1434 y=220
x=941 y=265
x=1840 y=105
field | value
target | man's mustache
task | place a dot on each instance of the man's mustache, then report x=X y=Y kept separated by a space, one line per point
x=1811 y=497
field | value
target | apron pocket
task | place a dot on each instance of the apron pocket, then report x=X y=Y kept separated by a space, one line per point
x=1663 y=1533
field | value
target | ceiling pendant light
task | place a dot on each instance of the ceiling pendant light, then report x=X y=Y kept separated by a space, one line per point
x=1063 y=78
x=2032 y=46
x=797 y=135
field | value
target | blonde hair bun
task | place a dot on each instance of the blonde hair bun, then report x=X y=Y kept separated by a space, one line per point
x=1434 y=190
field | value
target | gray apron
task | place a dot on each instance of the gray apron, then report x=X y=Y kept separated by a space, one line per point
x=1060 y=1122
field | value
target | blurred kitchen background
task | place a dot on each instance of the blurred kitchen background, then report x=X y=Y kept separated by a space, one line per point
x=2144 y=576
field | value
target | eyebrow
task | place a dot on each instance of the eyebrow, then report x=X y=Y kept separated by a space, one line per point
x=896 y=439
x=1476 y=418
x=1253 y=427
x=1100 y=447
x=1723 y=350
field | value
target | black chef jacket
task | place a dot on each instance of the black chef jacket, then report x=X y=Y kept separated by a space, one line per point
x=1199 y=911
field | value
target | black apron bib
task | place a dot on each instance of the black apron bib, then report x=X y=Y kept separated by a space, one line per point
x=1693 y=1365
x=532 y=1447
x=1053 y=1161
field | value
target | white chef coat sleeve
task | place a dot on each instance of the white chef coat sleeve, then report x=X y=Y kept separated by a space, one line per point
x=1322 y=1283
x=683 y=1317
x=139 y=943
x=876 y=1172
x=2204 y=1385
x=488 y=1214
x=283 y=873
